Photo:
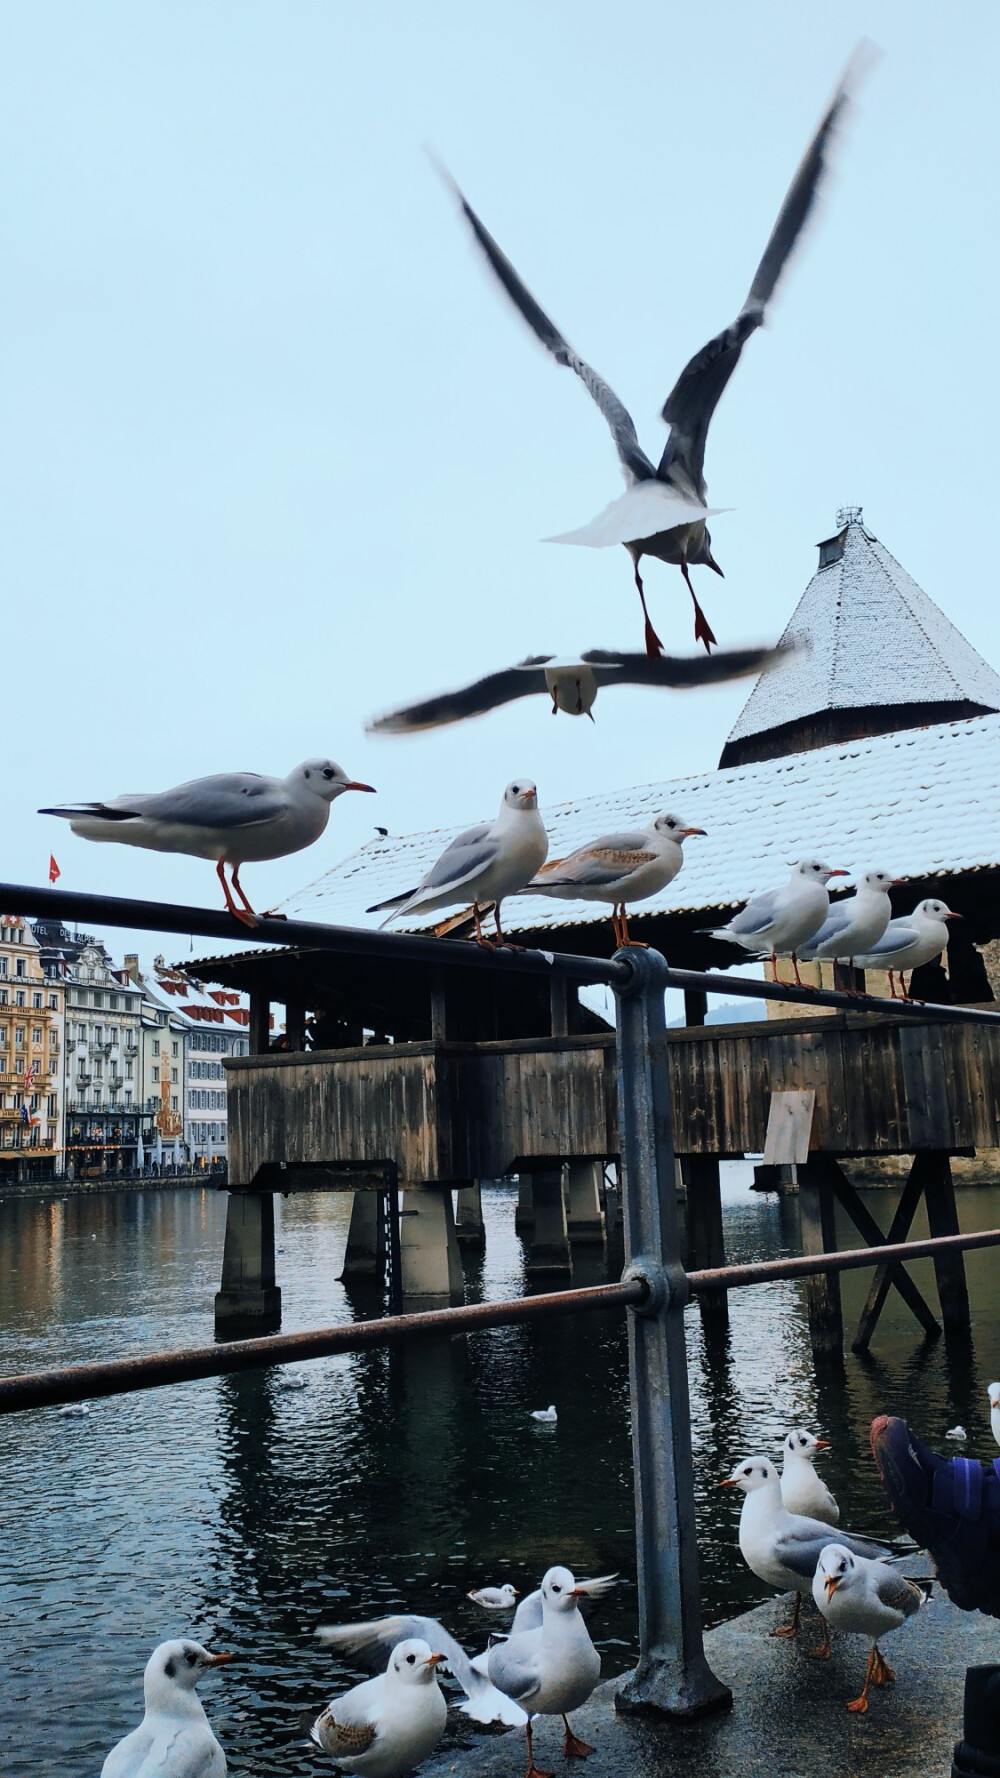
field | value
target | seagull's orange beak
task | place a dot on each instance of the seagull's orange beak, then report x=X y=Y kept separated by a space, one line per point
x=840 y=873
x=686 y=832
x=728 y=1483
x=832 y=1583
x=822 y=1444
x=432 y=1660
x=217 y=1660
x=953 y=916
x=353 y=786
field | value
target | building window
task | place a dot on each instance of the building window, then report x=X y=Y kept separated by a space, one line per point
x=3 y=966
x=51 y=1105
x=156 y=1046
x=113 y=1035
x=19 y=997
x=36 y=1035
x=128 y=1098
x=36 y=1001
x=173 y=1050
x=113 y=1002
x=53 y=1003
x=20 y=966
x=173 y=1075
x=173 y=1102
x=128 y=1071
x=19 y=1037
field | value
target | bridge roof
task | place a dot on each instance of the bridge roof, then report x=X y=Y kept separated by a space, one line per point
x=922 y=803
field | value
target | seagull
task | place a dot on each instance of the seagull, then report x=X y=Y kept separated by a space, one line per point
x=780 y=1547
x=552 y=1667
x=780 y=920
x=376 y=1639
x=292 y=1380
x=663 y=511
x=994 y=1393
x=865 y=1598
x=907 y=943
x=235 y=818
x=174 y=1739
x=494 y=1598
x=802 y=1490
x=958 y=1433
x=74 y=1410
x=486 y=862
x=573 y=682
x=855 y=924
x=547 y=1414
x=387 y=1725
x=618 y=867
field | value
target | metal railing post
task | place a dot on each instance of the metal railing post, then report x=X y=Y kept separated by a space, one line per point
x=673 y=1676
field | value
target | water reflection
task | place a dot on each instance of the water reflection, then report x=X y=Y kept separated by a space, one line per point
x=245 y=1513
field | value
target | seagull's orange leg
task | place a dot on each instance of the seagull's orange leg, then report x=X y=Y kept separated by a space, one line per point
x=702 y=627
x=533 y=1771
x=239 y=891
x=573 y=1747
x=883 y=1674
x=616 y=928
x=795 y=965
x=791 y=1629
x=245 y=918
x=823 y=1650
x=654 y=646
x=861 y=1704
x=902 y=984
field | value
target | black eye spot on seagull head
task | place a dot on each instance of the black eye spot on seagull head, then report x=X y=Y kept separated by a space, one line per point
x=191 y=1658
x=170 y=1669
x=308 y=772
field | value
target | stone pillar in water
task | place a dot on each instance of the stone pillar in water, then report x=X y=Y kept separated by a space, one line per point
x=469 y=1224
x=365 y=1255
x=548 y=1242
x=585 y=1218
x=430 y=1263
x=249 y=1301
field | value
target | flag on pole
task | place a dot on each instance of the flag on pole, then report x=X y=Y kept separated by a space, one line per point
x=54 y=870
x=29 y=1074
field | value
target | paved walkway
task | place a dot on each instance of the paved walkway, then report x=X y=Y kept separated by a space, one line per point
x=788 y=1718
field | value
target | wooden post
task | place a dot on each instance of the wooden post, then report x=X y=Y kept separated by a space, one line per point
x=295 y=1024
x=819 y=1235
x=260 y=1022
x=706 y=1242
x=942 y=1219
x=469 y=1225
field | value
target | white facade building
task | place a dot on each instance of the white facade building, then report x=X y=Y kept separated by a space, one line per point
x=102 y=1079
x=218 y=1022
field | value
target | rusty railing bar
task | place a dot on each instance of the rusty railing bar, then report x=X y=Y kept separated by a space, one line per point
x=715 y=981
x=118 y=1376
x=849 y=1259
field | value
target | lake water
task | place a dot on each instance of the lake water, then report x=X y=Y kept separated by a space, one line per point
x=243 y=1514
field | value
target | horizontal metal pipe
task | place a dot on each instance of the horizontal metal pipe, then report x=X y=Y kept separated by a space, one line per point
x=718 y=982
x=851 y=1259
x=119 y=1376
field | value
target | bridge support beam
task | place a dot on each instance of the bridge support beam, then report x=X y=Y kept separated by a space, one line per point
x=365 y=1255
x=706 y=1243
x=584 y=1215
x=524 y=1215
x=548 y=1244
x=430 y=1263
x=819 y=1235
x=249 y=1301
x=469 y=1225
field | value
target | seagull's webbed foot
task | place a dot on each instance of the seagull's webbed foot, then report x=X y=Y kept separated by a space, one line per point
x=791 y=1629
x=860 y=1705
x=573 y=1747
x=245 y=915
x=883 y=1674
x=823 y=1650
x=703 y=631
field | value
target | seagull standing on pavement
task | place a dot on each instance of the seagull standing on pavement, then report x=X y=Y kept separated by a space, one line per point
x=852 y=926
x=779 y=1547
x=552 y=1667
x=802 y=1490
x=618 y=868
x=174 y=1739
x=573 y=682
x=907 y=943
x=781 y=920
x=387 y=1725
x=663 y=511
x=484 y=864
x=235 y=818
x=865 y=1598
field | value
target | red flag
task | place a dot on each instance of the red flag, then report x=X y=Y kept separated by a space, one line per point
x=54 y=870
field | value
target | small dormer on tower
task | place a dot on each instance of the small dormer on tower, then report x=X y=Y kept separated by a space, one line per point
x=876 y=655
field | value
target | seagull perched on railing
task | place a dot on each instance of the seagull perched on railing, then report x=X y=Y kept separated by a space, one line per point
x=486 y=862
x=572 y=682
x=663 y=512
x=909 y=942
x=233 y=818
x=852 y=926
x=780 y=920
x=618 y=868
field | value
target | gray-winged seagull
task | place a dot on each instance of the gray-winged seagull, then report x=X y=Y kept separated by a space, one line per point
x=618 y=868
x=865 y=1598
x=780 y=920
x=852 y=926
x=907 y=943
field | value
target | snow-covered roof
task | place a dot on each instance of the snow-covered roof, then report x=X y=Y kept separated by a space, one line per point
x=874 y=638
x=920 y=802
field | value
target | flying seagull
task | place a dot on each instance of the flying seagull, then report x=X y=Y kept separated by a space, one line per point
x=235 y=818
x=663 y=511
x=572 y=682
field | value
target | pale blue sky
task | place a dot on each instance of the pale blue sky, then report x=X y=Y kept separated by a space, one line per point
x=276 y=453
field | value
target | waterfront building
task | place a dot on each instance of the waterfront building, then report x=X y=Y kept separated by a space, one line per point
x=32 y=1043
x=217 y=1025
x=104 y=1109
x=163 y=1042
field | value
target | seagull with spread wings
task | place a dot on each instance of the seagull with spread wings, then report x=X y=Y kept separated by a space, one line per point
x=663 y=511
x=573 y=682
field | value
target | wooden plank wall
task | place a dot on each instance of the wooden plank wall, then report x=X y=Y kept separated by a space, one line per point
x=463 y=1111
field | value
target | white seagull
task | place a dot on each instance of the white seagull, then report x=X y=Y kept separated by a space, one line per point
x=387 y=1725
x=865 y=1598
x=618 y=868
x=376 y=1639
x=994 y=1394
x=572 y=682
x=235 y=818
x=547 y=1414
x=779 y=1547
x=551 y=1667
x=852 y=926
x=802 y=1490
x=494 y=1598
x=485 y=863
x=907 y=943
x=663 y=512
x=780 y=920
x=174 y=1739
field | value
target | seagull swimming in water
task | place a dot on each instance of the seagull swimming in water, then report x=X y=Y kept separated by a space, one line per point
x=174 y=1739
x=663 y=511
x=234 y=818
x=494 y=1598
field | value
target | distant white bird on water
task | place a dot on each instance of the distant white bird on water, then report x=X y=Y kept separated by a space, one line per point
x=780 y=920
x=548 y=1415
x=174 y=1739
x=235 y=818
x=494 y=1598
x=852 y=926
x=994 y=1395
x=865 y=1598
x=909 y=942
x=618 y=868
x=387 y=1725
x=484 y=864
x=572 y=682
x=663 y=511
x=802 y=1490
x=958 y=1433
x=74 y=1410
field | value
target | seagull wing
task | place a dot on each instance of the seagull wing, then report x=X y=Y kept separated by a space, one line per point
x=897 y=937
x=466 y=855
x=679 y=670
x=339 y=1737
x=606 y=861
x=229 y=799
x=522 y=681
x=758 y=913
x=898 y=1593
x=691 y=403
x=635 y=463
x=513 y=1667
x=374 y=1641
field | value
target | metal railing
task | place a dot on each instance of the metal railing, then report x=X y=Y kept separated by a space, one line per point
x=673 y=1675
